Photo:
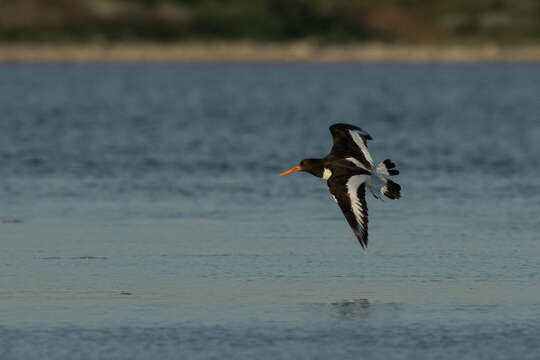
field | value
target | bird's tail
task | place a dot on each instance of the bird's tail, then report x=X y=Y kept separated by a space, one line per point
x=390 y=189
x=387 y=167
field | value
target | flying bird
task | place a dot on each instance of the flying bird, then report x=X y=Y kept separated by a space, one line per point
x=348 y=170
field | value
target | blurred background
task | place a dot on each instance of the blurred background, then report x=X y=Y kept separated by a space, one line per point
x=414 y=21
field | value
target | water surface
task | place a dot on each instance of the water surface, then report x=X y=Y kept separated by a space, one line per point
x=141 y=216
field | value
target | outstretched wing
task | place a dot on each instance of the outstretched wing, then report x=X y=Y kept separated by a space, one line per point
x=350 y=194
x=351 y=141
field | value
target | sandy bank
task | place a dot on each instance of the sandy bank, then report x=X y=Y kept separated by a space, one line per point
x=250 y=52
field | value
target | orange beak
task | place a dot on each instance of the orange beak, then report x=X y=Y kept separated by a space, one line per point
x=294 y=169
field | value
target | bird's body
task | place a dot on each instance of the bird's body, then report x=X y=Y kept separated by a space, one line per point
x=349 y=171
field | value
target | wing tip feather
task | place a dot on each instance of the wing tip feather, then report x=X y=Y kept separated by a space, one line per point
x=362 y=237
x=350 y=127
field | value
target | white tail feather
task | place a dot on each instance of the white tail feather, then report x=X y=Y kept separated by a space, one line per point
x=382 y=169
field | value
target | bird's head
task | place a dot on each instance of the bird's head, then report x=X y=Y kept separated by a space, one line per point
x=312 y=166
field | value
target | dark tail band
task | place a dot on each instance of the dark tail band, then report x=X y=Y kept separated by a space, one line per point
x=390 y=167
x=392 y=190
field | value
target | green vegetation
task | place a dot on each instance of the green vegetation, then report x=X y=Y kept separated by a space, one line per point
x=414 y=21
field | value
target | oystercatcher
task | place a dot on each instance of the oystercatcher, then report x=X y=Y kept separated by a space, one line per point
x=349 y=170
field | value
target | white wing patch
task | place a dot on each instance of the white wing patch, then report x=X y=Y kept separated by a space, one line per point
x=360 y=142
x=352 y=190
x=357 y=163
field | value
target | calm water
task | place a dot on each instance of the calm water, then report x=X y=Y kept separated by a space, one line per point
x=141 y=216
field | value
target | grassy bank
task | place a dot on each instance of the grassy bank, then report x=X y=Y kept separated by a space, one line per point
x=254 y=52
x=436 y=21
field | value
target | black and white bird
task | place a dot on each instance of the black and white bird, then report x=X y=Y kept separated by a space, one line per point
x=349 y=171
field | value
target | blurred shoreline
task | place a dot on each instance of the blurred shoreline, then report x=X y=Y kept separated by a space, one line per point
x=263 y=52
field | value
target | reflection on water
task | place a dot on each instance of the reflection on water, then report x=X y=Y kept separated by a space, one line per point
x=349 y=309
